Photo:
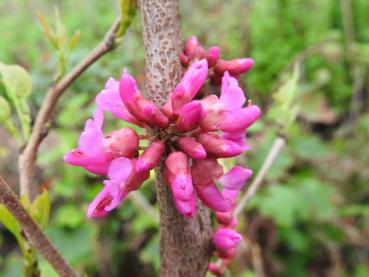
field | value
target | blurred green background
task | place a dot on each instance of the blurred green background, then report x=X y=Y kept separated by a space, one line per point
x=311 y=216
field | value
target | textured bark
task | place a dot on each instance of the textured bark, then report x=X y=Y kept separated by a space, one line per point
x=185 y=246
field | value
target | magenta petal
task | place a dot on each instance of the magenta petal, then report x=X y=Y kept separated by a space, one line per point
x=91 y=140
x=182 y=187
x=234 y=67
x=99 y=169
x=120 y=169
x=238 y=137
x=219 y=147
x=190 y=116
x=212 y=55
x=186 y=208
x=141 y=108
x=151 y=156
x=96 y=208
x=211 y=197
x=189 y=86
x=109 y=100
x=232 y=96
x=224 y=238
x=233 y=121
x=191 y=47
x=192 y=148
x=235 y=178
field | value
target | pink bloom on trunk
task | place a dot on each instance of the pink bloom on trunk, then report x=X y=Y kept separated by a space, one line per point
x=109 y=100
x=235 y=178
x=190 y=117
x=123 y=178
x=179 y=175
x=150 y=158
x=226 y=113
x=137 y=105
x=192 y=148
x=219 y=147
x=189 y=86
x=234 y=67
x=95 y=152
x=225 y=238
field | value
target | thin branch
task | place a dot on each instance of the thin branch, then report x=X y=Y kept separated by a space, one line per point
x=33 y=232
x=28 y=157
x=277 y=146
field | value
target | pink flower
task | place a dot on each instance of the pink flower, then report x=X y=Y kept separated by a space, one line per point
x=179 y=175
x=226 y=113
x=143 y=109
x=192 y=148
x=150 y=158
x=187 y=89
x=189 y=133
x=95 y=152
x=123 y=178
x=225 y=238
x=109 y=100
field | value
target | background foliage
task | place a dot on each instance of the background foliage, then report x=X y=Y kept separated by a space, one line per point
x=311 y=217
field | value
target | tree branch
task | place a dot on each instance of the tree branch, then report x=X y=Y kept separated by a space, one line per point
x=277 y=146
x=33 y=232
x=28 y=157
x=185 y=244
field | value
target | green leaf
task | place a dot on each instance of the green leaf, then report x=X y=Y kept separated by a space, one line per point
x=128 y=11
x=41 y=208
x=16 y=80
x=7 y=219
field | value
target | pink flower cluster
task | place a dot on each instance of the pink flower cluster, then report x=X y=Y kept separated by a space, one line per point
x=190 y=131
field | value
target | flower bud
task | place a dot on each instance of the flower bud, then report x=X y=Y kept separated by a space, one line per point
x=189 y=86
x=234 y=67
x=213 y=268
x=137 y=105
x=211 y=197
x=192 y=148
x=122 y=142
x=219 y=147
x=190 y=116
x=151 y=156
x=205 y=171
x=225 y=238
x=179 y=175
x=191 y=47
x=212 y=56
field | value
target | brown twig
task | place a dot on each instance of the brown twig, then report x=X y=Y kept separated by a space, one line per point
x=277 y=146
x=33 y=232
x=27 y=159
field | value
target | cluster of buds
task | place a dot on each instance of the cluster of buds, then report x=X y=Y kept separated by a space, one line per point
x=193 y=51
x=191 y=133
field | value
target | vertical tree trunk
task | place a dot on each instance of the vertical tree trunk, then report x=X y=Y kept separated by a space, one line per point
x=185 y=246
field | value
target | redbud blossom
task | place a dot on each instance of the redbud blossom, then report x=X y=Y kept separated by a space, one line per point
x=151 y=156
x=225 y=238
x=192 y=148
x=189 y=133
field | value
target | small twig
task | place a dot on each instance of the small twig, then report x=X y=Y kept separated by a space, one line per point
x=277 y=146
x=140 y=201
x=33 y=232
x=28 y=157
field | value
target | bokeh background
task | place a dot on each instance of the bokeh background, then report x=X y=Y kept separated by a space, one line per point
x=311 y=216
